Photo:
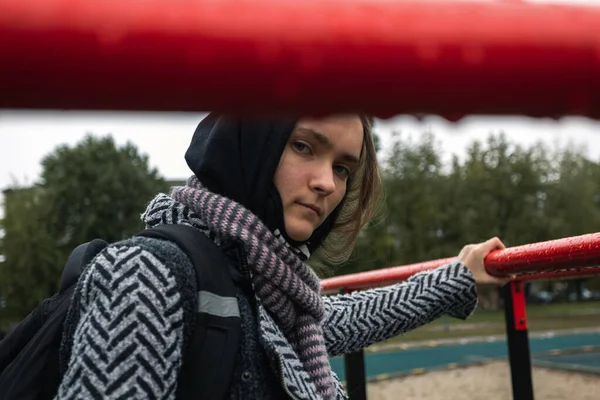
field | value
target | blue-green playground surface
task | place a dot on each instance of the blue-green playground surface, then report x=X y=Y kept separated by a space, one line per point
x=588 y=362
x=550 y=351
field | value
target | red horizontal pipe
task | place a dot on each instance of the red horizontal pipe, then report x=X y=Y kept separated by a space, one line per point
x=542 y=260
x=574 y=273
x=384 y=58
x=379 y=277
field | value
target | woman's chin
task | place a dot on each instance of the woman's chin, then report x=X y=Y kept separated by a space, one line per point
x=299 y=232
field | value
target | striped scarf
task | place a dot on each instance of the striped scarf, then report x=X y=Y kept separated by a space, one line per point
x=284 y=284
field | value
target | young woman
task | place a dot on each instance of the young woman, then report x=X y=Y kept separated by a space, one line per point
x=271 y=192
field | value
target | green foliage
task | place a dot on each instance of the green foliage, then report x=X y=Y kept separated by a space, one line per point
x=94 y=189
x=503 y=192
x=97 y=190
x=31 y=265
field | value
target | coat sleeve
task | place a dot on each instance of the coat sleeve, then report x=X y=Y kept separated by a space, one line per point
x=357 y=320
x=126 y=328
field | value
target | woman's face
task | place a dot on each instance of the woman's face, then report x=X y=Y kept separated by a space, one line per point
x=314 y=168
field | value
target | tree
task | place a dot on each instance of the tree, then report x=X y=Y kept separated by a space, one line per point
x=415 y=197
x=30 y=268
x=503 y=194
x=94 y=189
x=97 y=190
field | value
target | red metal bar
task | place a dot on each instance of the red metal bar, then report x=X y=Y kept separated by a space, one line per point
x=519 y=305
x=575 y=273
x=380 y=277
x=385 y=58
x=573 y=256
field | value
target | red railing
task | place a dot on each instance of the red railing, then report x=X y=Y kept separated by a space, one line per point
x=447 y=58
x=563 y=258
x=571 y=257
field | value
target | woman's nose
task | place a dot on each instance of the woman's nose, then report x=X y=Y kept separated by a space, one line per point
x=323 y=181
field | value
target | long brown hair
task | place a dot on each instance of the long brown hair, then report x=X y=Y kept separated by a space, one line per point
x=360 y=204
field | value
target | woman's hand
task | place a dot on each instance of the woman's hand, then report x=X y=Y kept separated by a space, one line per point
x=473 y=255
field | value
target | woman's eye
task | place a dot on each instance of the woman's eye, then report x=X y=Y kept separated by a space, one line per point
x=300 y=147
x=341 y=170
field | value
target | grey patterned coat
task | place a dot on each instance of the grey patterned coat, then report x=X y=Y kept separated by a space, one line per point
x=133 y=311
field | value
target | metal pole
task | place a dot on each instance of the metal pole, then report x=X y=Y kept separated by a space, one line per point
x=354 y=366
x=355 y=375
x=518 y=341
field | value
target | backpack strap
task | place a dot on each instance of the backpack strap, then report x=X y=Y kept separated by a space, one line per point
x=79 y=258
x=210 y=359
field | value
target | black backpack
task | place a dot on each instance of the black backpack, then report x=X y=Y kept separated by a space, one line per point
x=29 y=359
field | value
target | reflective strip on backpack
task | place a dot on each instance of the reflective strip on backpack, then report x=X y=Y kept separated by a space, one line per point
x=210 y=303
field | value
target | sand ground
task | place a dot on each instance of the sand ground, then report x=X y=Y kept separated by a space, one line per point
x=485 y=382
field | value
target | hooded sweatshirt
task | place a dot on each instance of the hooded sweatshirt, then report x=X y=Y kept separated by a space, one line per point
x=133 y=310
